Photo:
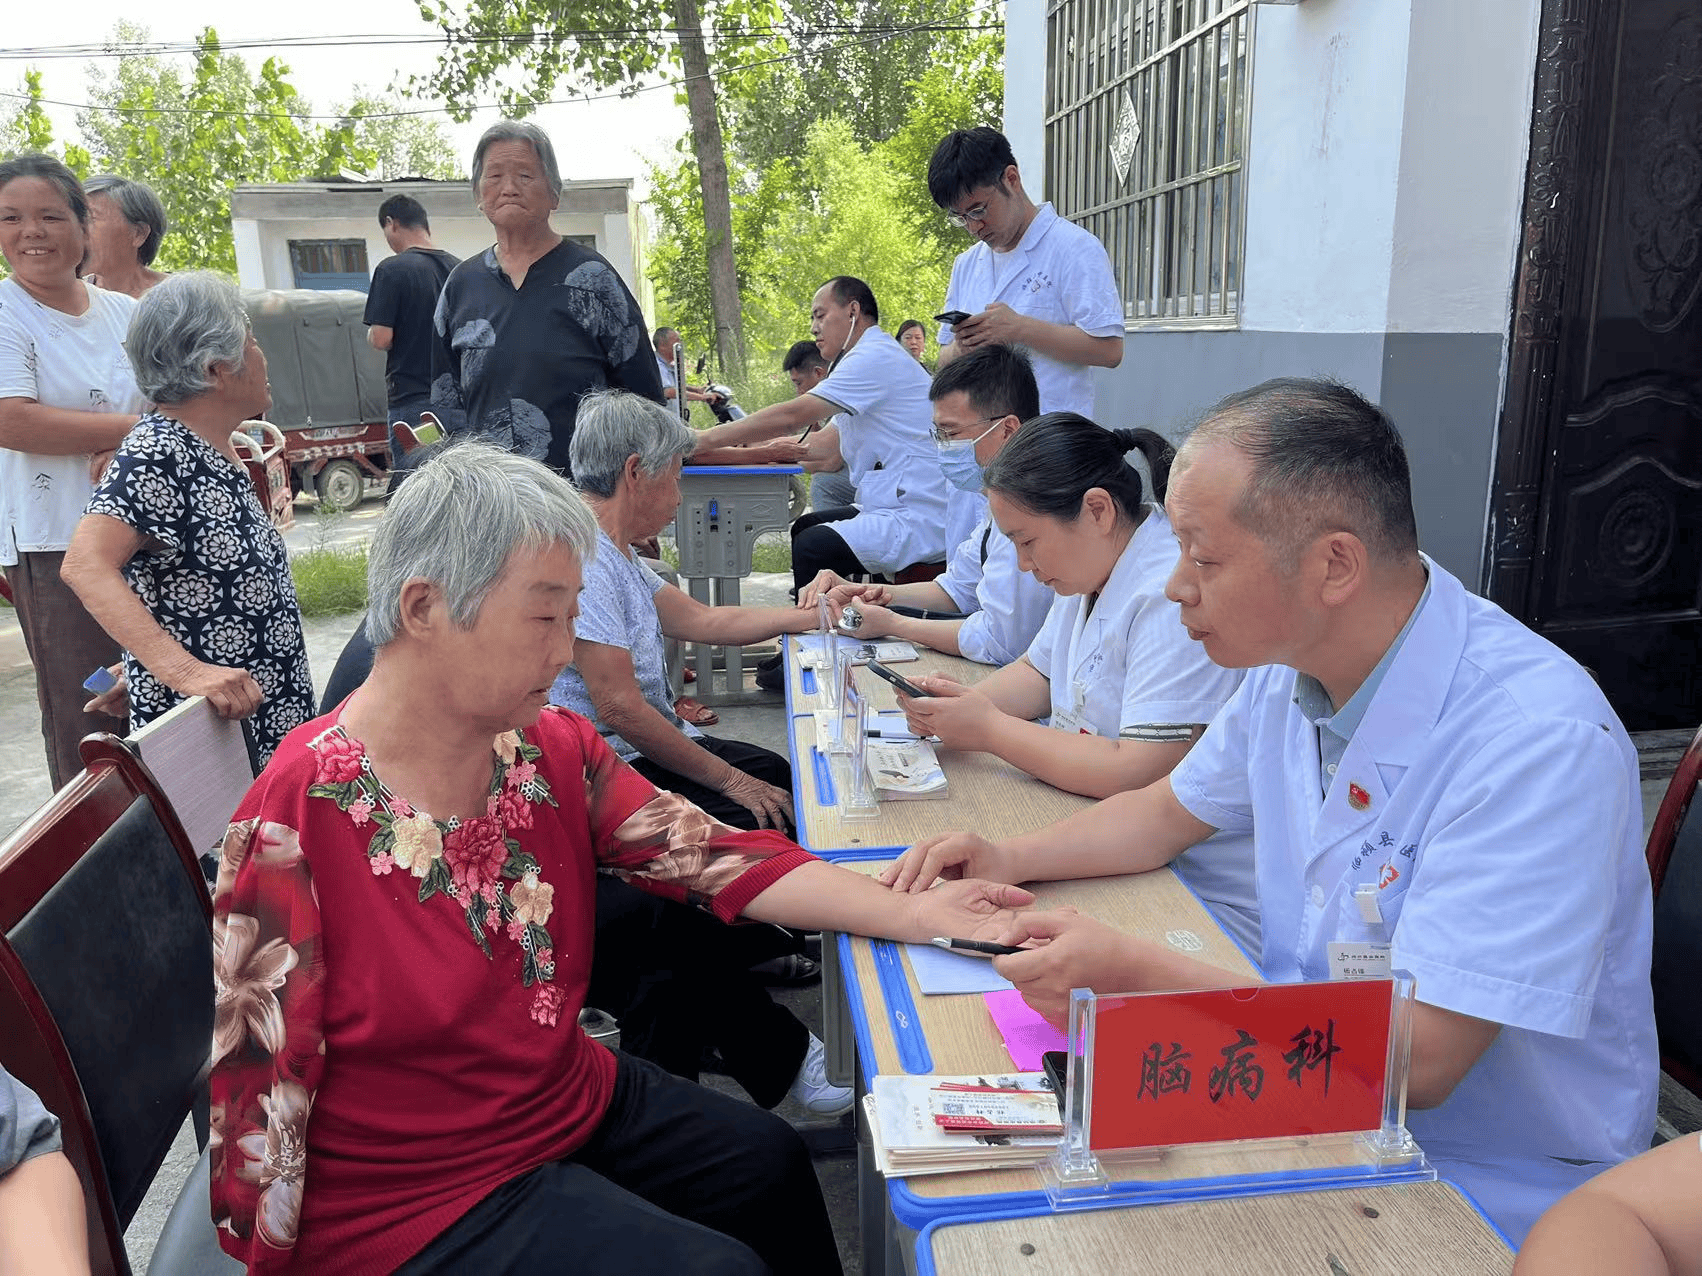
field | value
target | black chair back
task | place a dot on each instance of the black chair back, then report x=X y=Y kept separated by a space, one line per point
x=1675 y=869
x=106 y=980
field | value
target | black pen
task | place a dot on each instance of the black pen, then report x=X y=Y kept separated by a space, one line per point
x=975 y=946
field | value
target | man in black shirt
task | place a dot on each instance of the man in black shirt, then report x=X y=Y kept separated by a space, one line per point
x=399 y=309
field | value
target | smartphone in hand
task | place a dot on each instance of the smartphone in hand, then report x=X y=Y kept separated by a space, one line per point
x=904 y=685
x=952 y=317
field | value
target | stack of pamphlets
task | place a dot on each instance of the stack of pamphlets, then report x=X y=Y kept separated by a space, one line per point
x=942 y=1125
x=812 y=651
x=904 y=770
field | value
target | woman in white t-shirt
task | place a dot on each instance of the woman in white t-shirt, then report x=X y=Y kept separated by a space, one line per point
x=67 y=399
x=1125 y=689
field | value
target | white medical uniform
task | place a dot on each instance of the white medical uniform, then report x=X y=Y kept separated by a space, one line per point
x=964 y=512
x=1057 y=272
x=1007 y=606
x=1130 y=663
x=1492 y=796
x=886 y=438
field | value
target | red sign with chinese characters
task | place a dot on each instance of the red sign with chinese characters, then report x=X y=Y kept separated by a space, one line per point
x=1240 y=1063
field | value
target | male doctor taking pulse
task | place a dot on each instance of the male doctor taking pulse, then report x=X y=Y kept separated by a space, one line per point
x=1431 y=787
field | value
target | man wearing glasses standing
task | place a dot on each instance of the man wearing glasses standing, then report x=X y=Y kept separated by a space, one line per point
x=1031 y=279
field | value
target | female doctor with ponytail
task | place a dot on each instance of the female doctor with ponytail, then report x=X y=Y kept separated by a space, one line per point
x=1127 y=691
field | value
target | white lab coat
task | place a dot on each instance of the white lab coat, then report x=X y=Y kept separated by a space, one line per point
x=1057 y=272
x=1007 y=605
x=1131 y=663
x=887 y=441
x=1502 y=819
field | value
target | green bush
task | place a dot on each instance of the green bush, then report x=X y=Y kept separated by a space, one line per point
x=330 y=581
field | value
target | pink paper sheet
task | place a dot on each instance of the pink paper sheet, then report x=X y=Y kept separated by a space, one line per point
x=1027 y=1035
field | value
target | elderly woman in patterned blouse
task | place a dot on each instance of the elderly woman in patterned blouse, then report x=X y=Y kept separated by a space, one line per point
x=403 y=928
x=174 y=555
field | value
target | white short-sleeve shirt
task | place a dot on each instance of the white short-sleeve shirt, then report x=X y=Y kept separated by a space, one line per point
x=1491 y=796
x=886 y=438
x=60 y=361
x=1129 y=663
x=1057 y=272
x=1007 y=605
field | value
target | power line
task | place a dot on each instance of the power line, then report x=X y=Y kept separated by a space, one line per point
x=89 y=52
x=676 y=82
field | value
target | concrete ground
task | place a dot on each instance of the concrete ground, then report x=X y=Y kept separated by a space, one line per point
x=24 y=787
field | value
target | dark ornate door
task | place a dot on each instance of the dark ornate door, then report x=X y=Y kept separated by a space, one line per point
x=1596 y=517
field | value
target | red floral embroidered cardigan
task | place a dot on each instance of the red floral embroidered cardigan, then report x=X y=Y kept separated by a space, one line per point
x=397 y=998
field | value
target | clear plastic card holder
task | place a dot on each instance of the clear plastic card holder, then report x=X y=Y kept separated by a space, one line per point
x=1235 y=1091
x=860 y=800
x=827 y=670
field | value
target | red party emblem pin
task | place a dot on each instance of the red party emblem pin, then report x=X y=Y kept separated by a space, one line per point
x=1387 y=876
x=1357 y=797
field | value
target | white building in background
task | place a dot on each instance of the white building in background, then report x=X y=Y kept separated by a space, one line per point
x=1485 y=215
x=326 y=234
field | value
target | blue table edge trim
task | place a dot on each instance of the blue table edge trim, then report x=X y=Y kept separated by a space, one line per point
x=925 y=1236
x=721 y=471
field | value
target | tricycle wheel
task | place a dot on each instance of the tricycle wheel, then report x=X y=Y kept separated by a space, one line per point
x=341 y=485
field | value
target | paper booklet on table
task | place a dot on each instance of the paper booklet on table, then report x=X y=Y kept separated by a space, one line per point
x=905 y=770
x=812 y=651
x=946 y=1124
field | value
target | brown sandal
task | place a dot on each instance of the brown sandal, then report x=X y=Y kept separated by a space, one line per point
x=696 y=712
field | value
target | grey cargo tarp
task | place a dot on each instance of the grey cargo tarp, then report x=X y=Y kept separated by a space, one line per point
x=323 y=372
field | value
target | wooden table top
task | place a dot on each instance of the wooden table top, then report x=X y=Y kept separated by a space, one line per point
x=962 y=1039
x=1376 y=1231
x=985 y=794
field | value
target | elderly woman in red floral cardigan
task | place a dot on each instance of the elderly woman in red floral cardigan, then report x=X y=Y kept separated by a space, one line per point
x=404 y=923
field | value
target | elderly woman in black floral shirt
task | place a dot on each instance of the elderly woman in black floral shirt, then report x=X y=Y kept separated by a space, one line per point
x=174 y=555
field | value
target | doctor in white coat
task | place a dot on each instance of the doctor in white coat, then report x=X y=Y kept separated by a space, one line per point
x=881 y=394
x=986 y=607
x=1431 y=788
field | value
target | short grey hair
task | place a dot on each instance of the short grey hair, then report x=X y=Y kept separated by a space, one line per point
x=139 y=206
x=615 y=424
x=518 y=131
x=458 y=520
x=180 y=329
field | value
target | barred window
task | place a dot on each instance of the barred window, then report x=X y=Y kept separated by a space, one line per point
x=1146 y=139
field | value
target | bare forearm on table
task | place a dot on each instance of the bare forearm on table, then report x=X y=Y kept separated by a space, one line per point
x=1125 y=833
x=821 y=896
x=1094 y=766
x=767 y=423
x=28 y=426
x=686 y=619
x=940 y=635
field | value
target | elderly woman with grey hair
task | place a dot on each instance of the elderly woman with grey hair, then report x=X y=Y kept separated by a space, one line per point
x=531 y=324
x=126 y=224
x=174 y=555
x=403 y=930
x=626 y=463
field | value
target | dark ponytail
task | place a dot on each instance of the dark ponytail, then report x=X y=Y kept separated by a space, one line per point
x=1052 y=461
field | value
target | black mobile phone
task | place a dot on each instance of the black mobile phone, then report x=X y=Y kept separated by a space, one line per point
x=953 y=317
x=904 y=685
x=1057 y=1067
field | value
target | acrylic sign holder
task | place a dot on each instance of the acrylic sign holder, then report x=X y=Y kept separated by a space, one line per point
x=1277 y=1087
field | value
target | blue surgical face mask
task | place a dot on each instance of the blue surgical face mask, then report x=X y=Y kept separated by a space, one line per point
x=957 y=458
x=962 y=470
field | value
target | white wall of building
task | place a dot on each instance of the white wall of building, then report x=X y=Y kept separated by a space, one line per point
x=1025 y=90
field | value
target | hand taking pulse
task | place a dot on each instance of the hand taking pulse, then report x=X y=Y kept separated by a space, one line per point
x=827 y=581
x=948 y=857
x=1070 y=951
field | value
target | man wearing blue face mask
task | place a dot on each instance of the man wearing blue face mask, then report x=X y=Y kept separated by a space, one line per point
x=985 y=607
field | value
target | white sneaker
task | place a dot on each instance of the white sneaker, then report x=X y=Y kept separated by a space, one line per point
x=812 y=1088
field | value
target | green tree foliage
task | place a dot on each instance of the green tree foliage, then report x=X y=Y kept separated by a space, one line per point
x=194 y=132
x=842 y=206
x=27 y=127
x=401 y=145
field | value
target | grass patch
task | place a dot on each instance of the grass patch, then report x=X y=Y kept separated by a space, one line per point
x=330 y=582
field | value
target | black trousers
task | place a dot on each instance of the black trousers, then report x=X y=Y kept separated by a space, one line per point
x=677 y=1180
x=679 y=982
x=752 y=759
x=815 y=545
